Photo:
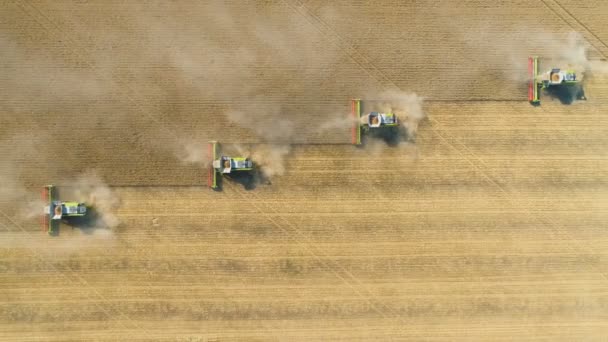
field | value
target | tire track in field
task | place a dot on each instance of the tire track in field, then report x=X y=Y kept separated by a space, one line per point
x=82 y=54
x=509 y=196
x=378 y=75
x=566 y=16
x=308 y=248
x=334 y=38
x=81 y=281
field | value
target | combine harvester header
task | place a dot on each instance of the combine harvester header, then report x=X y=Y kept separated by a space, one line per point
x=532 y=85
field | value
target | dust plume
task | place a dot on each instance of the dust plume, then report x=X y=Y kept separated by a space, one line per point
x=158 y=87
x=342 y=121
x=507 y=50
x=566 y=51
x=84 y=106
x=239 y=63
x=574 y=53
x=90 y=189
x=193 y=152
x=269 y=158
x=24 y=202
x=407 y=106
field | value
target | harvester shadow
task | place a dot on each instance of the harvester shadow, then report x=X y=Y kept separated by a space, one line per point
x=54 y=228
x=220 y=184
x=89 y=223
x=392 y=136
x=249 y=180
x=567 y=95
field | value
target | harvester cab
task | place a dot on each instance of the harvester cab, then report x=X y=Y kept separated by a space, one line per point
x=228 y=164
x=375 y=119
x=222 y=164
x=369 y=122
x=55 y=210
x=60 y=209
x=555 y=78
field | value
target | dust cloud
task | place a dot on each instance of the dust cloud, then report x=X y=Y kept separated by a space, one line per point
x=572 y=51
x=227 y=67
x=193 y=152
x=238 y=61
x=25 y=201
x=577 y=54
x=269 y=158
x=407 y=106
x=89 y=188
x=507 y=50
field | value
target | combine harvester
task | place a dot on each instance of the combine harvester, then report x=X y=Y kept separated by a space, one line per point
x=57 y=210
x=224 y=165
x=555 y=79
x=370 y=123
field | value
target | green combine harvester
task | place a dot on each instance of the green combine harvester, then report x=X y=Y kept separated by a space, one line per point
x=56 y=210
x=224 y=165
x=369 y=122
x=553 y=79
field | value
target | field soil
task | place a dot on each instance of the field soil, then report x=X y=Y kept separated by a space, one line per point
x=489 y=226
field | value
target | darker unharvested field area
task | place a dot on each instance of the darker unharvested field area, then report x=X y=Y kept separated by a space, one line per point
x=490 y=227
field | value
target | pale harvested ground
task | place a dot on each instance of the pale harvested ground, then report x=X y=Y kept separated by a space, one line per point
x=493 y=227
